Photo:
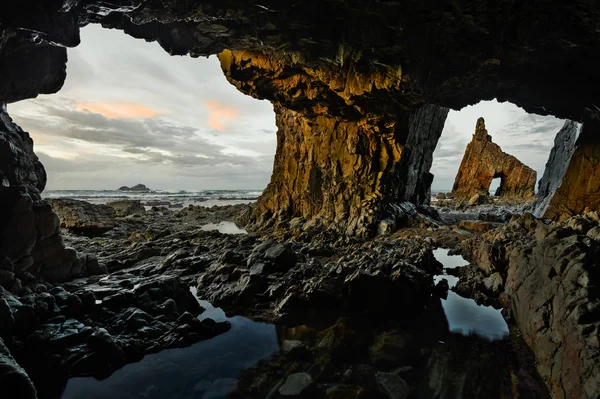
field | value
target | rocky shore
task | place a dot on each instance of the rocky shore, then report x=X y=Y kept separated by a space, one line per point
x=369 y=309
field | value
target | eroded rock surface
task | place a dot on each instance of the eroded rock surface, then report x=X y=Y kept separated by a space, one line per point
x=30 y=242
x=579 y=188
x=557 y=165
x=549 y=273
x=483 y=161
x=82 y=217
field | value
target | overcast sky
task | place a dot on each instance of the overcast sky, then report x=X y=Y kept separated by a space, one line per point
x=130 y=113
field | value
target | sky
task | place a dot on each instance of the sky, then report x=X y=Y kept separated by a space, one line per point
x=130 y=113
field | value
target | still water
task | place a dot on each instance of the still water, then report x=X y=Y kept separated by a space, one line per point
x=207 y=369
x=464 y=315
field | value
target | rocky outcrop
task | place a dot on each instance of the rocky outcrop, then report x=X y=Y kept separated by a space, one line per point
x=137 y=187
x=557 y=165
x=549 y=274
x=14 y=379
x=579 y=184
x=127 y=207
x=483 y=161
x=341 y=171
x=81 y=217
x=30 y=241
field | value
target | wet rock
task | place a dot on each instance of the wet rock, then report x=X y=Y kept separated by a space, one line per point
x=392 y=349
x=441 y=288
x=493 y=283
x=483 y=161
x=298 y=385
x=392 y=386
x=13 y=379
x=82 y=217
x=281 y=255
x=294 y=347
x=475 y=226
x=127 y=207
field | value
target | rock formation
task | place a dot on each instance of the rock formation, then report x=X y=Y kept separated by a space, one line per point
x=30 y=241
x=137 y=187
x=339 y=162
x=550 y=273
x=84 y=218
x=572 y=177
x=483 y=161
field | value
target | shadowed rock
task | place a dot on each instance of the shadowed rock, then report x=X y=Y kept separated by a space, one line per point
x=483 y=161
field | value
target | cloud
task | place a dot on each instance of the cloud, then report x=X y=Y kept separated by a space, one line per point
x=219 y=115
x=118 y=110
x=526 y=136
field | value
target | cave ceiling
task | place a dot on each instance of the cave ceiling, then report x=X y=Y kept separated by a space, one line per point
x=540 y=55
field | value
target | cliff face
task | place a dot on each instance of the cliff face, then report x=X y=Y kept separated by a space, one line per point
x=30 y=241
x=579 y=188
x=483 y=161
x=557 y=165
x=341 y=158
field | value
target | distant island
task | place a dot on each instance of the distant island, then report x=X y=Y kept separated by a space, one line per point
x=137 y=187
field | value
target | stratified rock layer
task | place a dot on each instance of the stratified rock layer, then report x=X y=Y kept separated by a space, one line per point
x=483 y=161
x=550 y=274
x=557 y=165
x=338 y=162
x=579 y=189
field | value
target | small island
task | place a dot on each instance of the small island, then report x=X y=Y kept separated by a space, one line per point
x=137 y=188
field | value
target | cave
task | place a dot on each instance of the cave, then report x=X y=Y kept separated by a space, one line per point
x=361 y=94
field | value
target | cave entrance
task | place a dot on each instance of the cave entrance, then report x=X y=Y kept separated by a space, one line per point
x=527 y=137
x=131 y=113
x=496 y=186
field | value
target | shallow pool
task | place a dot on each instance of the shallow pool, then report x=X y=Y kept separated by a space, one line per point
x=464 y=315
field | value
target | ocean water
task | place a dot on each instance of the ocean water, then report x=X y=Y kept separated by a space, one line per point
x=175 y=198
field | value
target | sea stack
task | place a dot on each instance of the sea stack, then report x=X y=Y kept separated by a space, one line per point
x=483 y=161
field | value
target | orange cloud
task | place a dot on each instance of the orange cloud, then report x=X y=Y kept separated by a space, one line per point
x=118 y=110
x=219 y=115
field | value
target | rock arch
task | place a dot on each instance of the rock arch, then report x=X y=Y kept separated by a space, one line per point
x=484 y=161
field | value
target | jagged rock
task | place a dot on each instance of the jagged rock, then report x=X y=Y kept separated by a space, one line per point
x=127 y=207
x=298 y=385
x=483 y=161
x=13 y=379
x=392 y=386
x=551 y=295
x=557 y=165
x=579 y=187
x=82 y=217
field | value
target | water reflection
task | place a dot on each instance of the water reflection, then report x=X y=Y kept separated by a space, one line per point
x=207 y=369
x=224 y=227
x=464 y=315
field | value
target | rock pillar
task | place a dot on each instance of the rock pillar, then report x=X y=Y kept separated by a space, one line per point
x=342 y=160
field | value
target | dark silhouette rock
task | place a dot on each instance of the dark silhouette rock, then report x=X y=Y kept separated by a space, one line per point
x=483 y=161
x=137 y=187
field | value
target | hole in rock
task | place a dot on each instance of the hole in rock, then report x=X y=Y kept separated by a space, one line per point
x=130 y=113
x=495 y=186
x=527 y=137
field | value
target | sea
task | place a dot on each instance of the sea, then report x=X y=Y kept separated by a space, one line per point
x=169 y=198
